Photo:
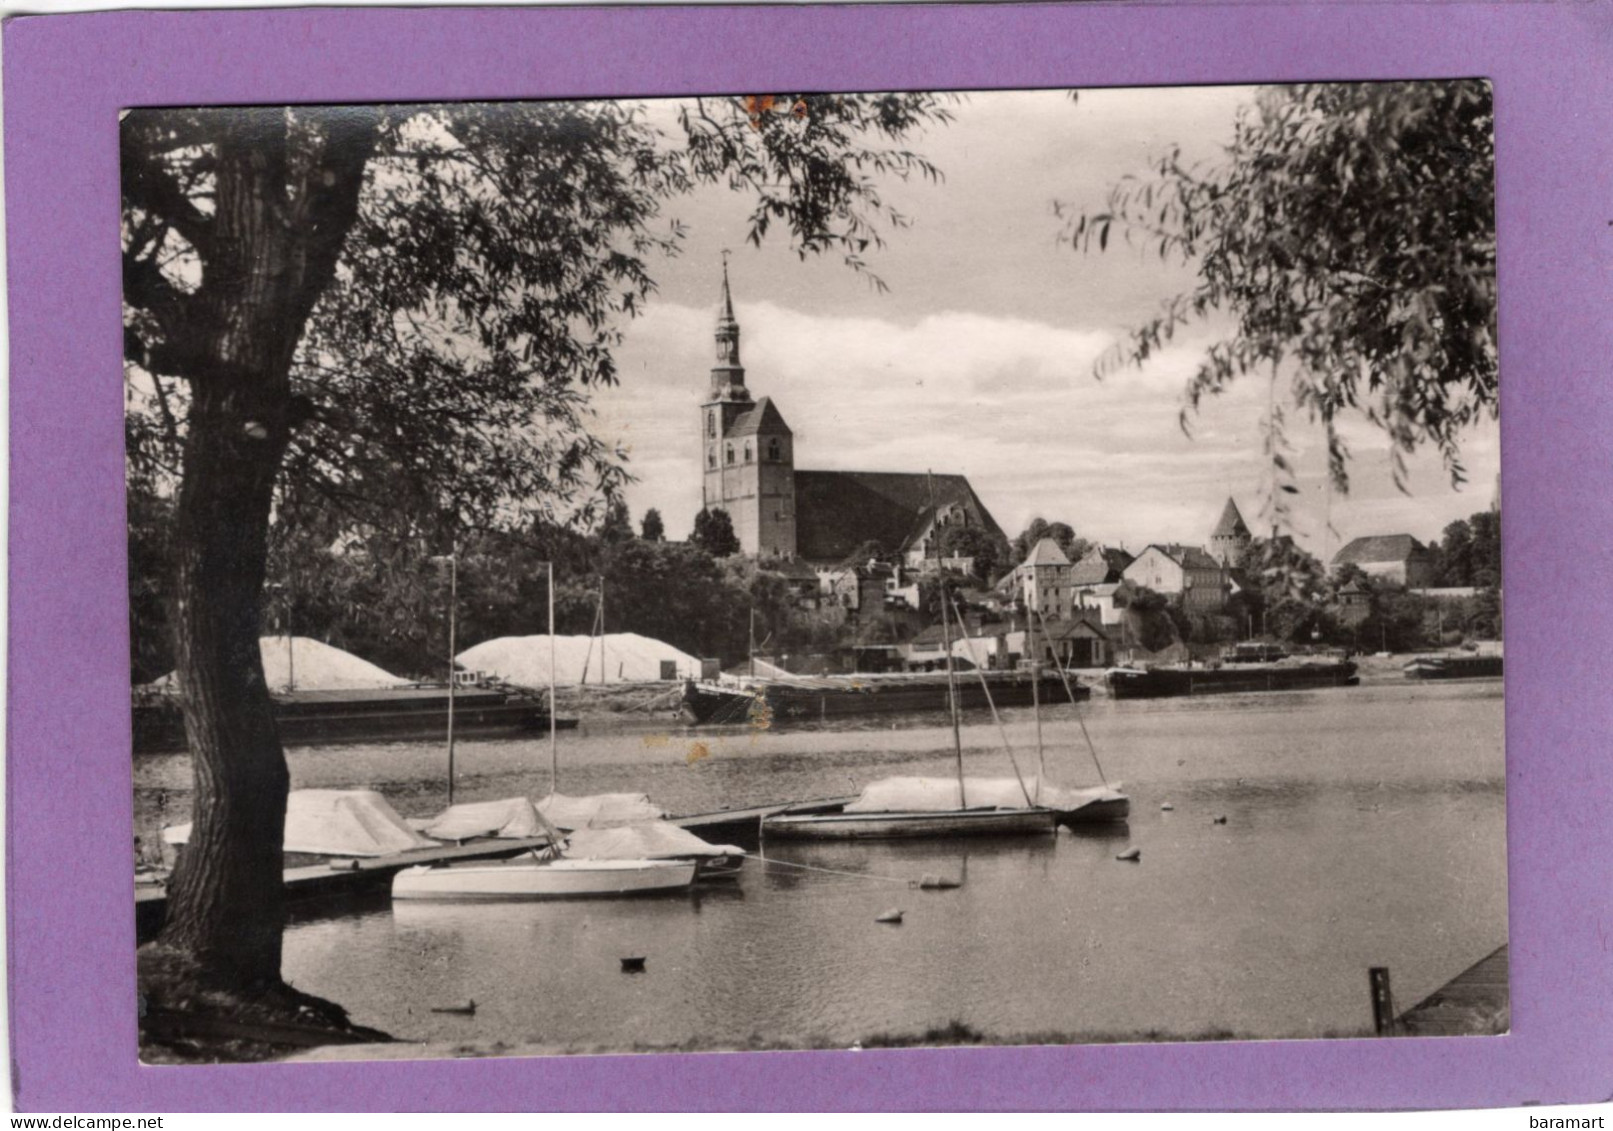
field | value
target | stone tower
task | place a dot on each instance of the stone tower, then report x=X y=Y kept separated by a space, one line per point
x=748 y=451
x=1231 y=536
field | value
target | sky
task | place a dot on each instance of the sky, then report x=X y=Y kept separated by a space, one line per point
x=978 y=359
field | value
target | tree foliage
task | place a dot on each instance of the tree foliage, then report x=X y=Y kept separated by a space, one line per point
x=653 y=529
x=391 y=316
x=1348 y=234
x=714 y=532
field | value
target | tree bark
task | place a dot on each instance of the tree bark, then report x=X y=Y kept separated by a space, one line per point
x=285 y=199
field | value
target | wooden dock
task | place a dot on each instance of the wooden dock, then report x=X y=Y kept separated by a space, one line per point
x=367 y=874
x=1474 y=1003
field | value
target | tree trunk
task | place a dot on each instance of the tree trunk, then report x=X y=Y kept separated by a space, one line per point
x=285 y=199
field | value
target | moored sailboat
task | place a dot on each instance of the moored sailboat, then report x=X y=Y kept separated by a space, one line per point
x=912 y=808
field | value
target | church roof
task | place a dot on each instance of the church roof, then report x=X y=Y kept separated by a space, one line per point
x=1231 y=524
x=837 y=511
x=1380 y=548
x=763 y=419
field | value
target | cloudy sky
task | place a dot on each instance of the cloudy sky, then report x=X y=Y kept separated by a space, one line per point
x=979 y=358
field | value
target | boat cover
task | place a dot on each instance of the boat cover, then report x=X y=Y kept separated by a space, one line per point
x=512 y=817
x=599 y=810
x=939 y=795
x=337 y=822
x=649 y=840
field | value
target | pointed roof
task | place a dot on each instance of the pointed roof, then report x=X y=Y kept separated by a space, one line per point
x=762 y=420
x=1231 y=524
x=1046 y=552
x=727 y=314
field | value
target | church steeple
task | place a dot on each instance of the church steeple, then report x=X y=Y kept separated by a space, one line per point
x=728 y=375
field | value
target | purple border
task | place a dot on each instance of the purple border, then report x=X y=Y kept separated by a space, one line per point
x=69 y=908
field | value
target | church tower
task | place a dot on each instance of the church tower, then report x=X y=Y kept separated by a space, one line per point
x=747 y=449
x=1231 y=536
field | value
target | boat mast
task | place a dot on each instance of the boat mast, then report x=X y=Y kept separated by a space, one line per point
x=604 y=672
x=946 y=644
x=554 y=755
x=453 y=607
x=1036 y=692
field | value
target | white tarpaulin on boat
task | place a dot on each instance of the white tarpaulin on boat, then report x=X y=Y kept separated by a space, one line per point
x=599 y=810
x=304 y=664
x=337 y=822
x=938 y=795
x=511 y=817
x=628 y=658
x=651 y=840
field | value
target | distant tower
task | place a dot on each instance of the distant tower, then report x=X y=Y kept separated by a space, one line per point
x=748 y=450
x=1231 y=536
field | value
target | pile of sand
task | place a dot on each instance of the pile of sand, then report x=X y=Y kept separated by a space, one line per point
x=315 y=666
x=628 y=658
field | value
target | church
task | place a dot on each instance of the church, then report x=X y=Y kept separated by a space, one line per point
x=818 y=517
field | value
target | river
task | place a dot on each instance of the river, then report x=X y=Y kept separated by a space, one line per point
x=1363 y=827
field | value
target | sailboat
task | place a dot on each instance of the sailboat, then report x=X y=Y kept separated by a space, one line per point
x=912 y=808
x=546 y=873
x=1099 y=805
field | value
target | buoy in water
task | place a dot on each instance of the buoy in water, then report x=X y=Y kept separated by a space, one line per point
x=932 y=881
x=633 y=965
x=1167 y=807
x=1220 y=820
x=466 y=1007
x=894 y=915
x=1132 y=854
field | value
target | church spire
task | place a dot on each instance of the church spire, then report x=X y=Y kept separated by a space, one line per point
x=728 y=375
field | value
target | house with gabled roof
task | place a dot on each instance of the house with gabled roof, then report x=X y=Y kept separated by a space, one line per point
x=1186 y=574
x=1042 y=580
x=820 y=517
x=1397 y=558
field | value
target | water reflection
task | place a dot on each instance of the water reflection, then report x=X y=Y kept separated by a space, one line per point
x=1363 y=827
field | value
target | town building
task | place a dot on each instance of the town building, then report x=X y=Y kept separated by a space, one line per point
x=1397 y=558
x=819 y=517
x=1355 y=603
x=1042 y=580
x=1186 y=574
x=1078 y=641
x=1096 y=580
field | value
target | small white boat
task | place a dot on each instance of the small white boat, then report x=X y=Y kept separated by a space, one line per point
x=530 y=878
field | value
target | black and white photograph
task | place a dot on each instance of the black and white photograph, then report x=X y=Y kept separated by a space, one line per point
x=813 y=570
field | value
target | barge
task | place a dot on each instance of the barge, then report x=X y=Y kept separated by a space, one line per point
x=804 y=698
x=1137 y=683
x=402 y=714
x=1454 y=667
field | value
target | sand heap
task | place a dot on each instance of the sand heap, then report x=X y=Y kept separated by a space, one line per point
x=629 y=658
x=315 y=666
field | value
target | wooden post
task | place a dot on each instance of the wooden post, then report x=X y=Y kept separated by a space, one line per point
x=1383 y=1001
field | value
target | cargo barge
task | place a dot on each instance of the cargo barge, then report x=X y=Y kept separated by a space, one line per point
x=1454 y=667
x=1136 y=683
x=807 y=698
x=403 y=714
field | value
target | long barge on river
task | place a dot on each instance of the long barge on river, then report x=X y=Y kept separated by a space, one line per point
x=401 y=714
x=805 y=698
x=1153 y=683
x=1454 y=667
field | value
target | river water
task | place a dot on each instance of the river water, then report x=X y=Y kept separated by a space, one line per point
x=1363 y=827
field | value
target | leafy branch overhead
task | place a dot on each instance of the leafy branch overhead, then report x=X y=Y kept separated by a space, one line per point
x=474 y=281
x=1349 y=235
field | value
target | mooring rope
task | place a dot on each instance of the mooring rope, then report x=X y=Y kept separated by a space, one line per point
x=1059 y=666
x=986 y=687
x=833 y=871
